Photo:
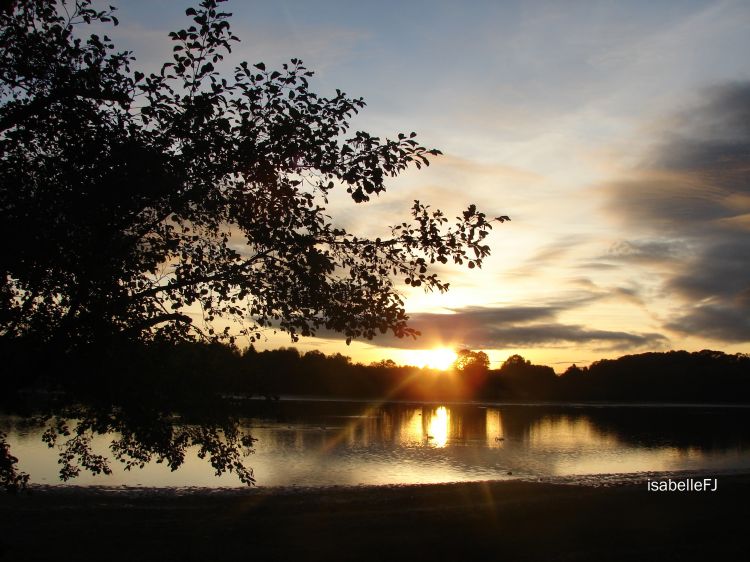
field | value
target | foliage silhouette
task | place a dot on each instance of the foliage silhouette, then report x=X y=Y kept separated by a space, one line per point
x=147 y=384
x=467 y=361
x=674 y=376
x=192 y=371
x=473 y=368
x=142 y=435
x=150 y=206
x=139 y=431
x=519 y=379
x=11 y=479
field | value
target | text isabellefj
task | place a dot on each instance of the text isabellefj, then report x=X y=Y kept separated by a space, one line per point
x=685 y=485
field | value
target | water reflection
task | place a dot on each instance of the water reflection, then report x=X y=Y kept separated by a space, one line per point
x=564 y=431
x=410 y=432
x=439 y=427
x=494 y=428
x=88 y=438
x=323 y=443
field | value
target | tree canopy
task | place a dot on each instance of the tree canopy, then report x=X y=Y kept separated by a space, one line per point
x=468 y=361
x=148 y=206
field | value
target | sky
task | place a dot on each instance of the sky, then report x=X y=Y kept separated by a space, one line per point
x=616 y=136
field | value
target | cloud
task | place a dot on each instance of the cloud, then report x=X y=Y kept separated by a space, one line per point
x=721 y=271
x=450 y=183
x=692 y=198
x=455 y=165
x=668 y=205
x=513 y=326
x=548 y=255
x=647 y=251
x=731 y=324
x=713 y=136
x=503 y=327
x=549 y=334
x=594 y=265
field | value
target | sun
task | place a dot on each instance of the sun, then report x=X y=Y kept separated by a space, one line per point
x=441 y=358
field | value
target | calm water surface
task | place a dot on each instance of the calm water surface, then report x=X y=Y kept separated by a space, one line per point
x=318 y=443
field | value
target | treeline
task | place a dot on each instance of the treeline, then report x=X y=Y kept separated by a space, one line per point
x=703 y=376
x=193 y=371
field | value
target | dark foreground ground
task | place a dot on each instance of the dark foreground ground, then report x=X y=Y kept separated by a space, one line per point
x=494 y=521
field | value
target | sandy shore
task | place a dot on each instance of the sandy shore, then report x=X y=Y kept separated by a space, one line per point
x=493 y=520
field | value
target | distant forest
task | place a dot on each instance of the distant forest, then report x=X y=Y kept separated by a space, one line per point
x=194 y=370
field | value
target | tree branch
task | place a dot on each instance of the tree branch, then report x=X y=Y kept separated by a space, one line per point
x=150 y=322
x=221 y=276
x=37 y=105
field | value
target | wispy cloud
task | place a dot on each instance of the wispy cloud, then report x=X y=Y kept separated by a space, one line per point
x=648 y=251
x=694 y=192
x=515 y=326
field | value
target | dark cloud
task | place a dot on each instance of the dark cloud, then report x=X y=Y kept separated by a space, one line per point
x=713 y=136
x=667 y=206
x=717 y=159
x=551 y=334
x=475 y=326
x=731 y=324
x=648 y=251
x=588 y=265
x=502 y=328
x=720 y=271
x=520 y=326
x=692 y=198
x=695 y=173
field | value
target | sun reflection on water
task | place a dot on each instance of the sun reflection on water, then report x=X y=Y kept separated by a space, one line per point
x=320 y=443
x=494 y=429
x=410 y=428
x=438 y=427
x=570 y=432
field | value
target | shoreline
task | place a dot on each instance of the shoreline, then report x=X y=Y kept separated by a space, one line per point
x=594 y=480
x=485 y=402
x=511 y=519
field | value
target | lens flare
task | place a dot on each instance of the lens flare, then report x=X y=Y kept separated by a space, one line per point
x=441 y=358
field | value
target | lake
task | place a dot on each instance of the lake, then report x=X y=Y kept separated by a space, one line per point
x=322 y=443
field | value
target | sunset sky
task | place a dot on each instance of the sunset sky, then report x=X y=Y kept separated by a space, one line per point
x=616 y=135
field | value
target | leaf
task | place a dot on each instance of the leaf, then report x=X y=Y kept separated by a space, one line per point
x=210 y=195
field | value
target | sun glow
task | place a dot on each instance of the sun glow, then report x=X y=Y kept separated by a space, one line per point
x=439 y=427
x=439 y=358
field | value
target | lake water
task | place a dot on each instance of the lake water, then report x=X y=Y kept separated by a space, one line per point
x=320 y=443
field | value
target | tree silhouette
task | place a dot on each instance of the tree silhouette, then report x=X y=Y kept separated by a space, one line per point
x=11 y=479
x=515 y=362
x=519 y=378
x=468 y=361
x=144 y=207
x=473 y=367
x=141 y=435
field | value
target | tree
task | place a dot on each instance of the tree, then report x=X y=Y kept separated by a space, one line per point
x=11 y=479
x=141 y=434
x=138 y=432
x=473 y=367
x=515 y=362
x=468 y=361
x=519 y=378
x=134 y=201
